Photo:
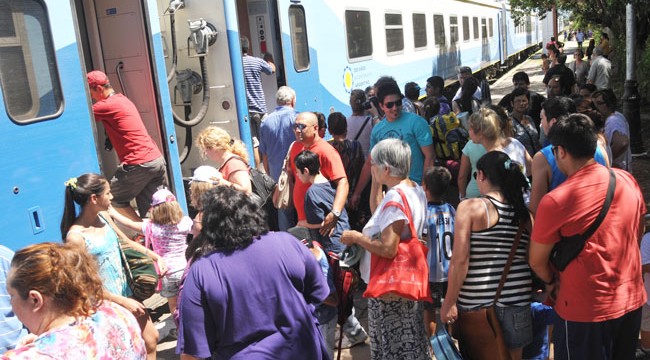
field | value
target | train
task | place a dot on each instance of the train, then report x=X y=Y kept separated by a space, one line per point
x=180 y=63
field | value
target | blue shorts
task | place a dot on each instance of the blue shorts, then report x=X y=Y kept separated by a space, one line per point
x=516 y=325
x=171 y=283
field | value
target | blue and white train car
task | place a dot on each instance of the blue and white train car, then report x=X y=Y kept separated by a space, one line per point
x=180 y=63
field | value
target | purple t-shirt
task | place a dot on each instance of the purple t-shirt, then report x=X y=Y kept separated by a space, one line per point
x=254 y=303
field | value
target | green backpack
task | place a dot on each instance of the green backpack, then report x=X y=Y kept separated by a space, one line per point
x=449 y=136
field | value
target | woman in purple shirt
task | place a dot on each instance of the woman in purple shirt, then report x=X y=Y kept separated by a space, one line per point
x=250 y=292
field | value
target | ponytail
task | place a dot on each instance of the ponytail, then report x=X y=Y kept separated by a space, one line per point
x=78 y=190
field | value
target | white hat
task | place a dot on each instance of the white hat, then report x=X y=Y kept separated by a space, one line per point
x=205 y=173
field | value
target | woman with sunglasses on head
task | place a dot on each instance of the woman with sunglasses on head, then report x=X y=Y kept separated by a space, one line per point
x=484 y=234
x=229 y=156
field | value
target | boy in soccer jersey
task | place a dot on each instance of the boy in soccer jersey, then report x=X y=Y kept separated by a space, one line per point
x=440 y=233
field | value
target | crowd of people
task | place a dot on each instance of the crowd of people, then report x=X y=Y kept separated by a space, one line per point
x=533 y=173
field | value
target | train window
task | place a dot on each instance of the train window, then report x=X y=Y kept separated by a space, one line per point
x=484 y=32
x=453 y=29
x=28 y=71
x=439 y=30
x=476 y=30
x=529 y=25
x=465 y=28
x=490 y=29
x=359 y=35
x=299 y=42
x=419 y=30
x=394 y=33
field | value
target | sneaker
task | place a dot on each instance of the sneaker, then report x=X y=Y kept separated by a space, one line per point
x=348 y=343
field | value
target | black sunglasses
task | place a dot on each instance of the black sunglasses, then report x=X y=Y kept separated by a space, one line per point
x=298 y=126
x=390 y=104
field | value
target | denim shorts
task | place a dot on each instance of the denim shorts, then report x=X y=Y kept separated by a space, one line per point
x=516 y=324
x=171 y=283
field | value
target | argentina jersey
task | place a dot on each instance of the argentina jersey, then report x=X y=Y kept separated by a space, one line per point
x=440 y=226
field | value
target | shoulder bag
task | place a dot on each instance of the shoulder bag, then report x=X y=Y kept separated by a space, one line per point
x=478 y=331
x=139 y=268
x=282 y=198
x=407 y=274
x=443 y=345
x=262 y=184
x=568 y=248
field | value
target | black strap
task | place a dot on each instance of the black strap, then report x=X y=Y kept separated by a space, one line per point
x=362 y=127
x=603 y=212
x=511 y=257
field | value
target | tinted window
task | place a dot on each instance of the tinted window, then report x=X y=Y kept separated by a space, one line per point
x=419 y=30
x=28 y=71
x=394 y=32
x=453 y=29
x=484 y=32
x=476 y=30
x=465 y=28
x=490 y=28
x=298 y=29
x=439 y=30
x=359 y=36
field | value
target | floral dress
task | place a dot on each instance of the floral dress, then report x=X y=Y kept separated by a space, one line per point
x=110 y=333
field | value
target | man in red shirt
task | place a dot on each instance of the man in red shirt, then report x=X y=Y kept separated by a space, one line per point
x=307 y=138
x=142 y=167
x=599 y=295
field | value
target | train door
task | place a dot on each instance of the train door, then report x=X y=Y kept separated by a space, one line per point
x=120 y=40
x=46 y=132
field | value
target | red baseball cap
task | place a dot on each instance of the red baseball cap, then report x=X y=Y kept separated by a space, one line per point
x=97 y=78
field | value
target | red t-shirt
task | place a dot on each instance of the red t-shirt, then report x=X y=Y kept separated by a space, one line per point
x=604 y=282
x=125 y=129
x=331 y=167
x=232 y=165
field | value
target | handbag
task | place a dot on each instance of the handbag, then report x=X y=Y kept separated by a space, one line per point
x=478 y=331
x=405 y=275
x=443 y=345
x=282 y=198
x=139 y=268
x=568 y=248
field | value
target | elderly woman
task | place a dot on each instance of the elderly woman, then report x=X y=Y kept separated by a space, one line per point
x=250 y=293
x=522 y=124
x=56 y=292
x=229 y=155
x=396 y=323
x=484 y=234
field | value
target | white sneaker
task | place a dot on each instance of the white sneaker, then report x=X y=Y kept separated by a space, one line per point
x=352 y=342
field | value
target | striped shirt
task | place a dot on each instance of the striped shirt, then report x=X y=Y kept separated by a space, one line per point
x=10 y=327
x=253 y=67
x=489 y=250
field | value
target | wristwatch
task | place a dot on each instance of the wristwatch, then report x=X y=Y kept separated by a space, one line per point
x=336 y=213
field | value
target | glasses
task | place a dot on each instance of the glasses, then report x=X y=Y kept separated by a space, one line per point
x=299 y=127
x=390 y=104
x=554 y=149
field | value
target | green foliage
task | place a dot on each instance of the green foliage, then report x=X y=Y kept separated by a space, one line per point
x=643 y=72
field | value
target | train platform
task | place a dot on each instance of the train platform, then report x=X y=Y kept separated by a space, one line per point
x=499 y=88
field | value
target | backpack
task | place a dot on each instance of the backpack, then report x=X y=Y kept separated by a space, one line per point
x=449 y=136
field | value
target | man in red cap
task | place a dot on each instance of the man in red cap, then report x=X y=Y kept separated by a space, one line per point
x=142 y=168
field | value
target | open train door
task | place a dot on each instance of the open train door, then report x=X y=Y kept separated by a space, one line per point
x=123 y=40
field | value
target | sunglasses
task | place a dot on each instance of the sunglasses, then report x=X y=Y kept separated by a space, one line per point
x=298 y=126
x=390 y=104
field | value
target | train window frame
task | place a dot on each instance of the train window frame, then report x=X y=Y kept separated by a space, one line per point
x=363 y=29
x=453 y=34
x=491 y=27
x=394 y=31
x=436 y=36
x=466 y=29
x=27 y=29
x=484 y=33
x=421 y=31
x=299 y=40
x=476 y=28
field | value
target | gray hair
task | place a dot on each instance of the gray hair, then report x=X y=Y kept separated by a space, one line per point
x=394 y=154
x=285 y=96
x=598 y=51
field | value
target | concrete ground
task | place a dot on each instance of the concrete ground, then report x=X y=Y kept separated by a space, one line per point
x=501 y=87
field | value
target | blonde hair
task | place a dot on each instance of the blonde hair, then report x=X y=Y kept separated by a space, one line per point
x=166 y=213
x=197 y=189
x=213 y=137
x=486 y=122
